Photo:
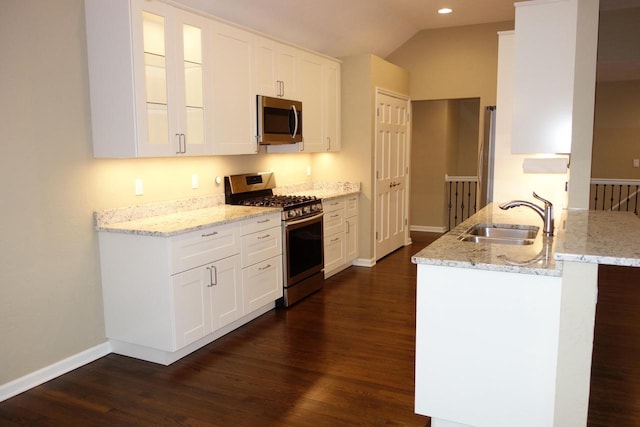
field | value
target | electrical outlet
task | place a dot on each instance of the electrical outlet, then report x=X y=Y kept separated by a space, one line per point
x=636 y=163
x=194 y=181
x=138 y=187
x=308 y=170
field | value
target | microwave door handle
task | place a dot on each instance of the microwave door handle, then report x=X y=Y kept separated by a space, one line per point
x=295 y=121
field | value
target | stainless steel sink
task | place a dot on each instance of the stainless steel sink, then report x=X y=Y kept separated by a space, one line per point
x=503 y=234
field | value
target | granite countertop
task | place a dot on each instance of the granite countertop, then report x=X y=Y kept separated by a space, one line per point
x=174 y=217
x=581 y=236
x=528 y=259
x=183 y=222
x=599 y=237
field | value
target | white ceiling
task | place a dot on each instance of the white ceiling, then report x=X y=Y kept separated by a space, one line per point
x=350 y=27
x=342 y=28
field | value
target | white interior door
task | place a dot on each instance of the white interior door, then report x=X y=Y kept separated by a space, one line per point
x=392 y=142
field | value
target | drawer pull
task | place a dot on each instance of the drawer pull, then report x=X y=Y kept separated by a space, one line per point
x=213 y=233
x=266 y=236
x=266 y=267
x=335 y=216
x=262 y=221
x=335 y=240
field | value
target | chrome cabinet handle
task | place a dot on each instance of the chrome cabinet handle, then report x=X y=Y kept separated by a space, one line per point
x=182 y=143
x=266 y=236
x=328 y=143
x=263 y=221
x=210 y=234
x=213 y=273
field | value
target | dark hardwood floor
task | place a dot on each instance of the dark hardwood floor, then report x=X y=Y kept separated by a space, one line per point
x=342 y=357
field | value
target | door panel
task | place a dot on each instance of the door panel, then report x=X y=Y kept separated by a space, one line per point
x=392 y=139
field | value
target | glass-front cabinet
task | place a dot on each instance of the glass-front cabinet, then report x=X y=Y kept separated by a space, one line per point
x=169 y=58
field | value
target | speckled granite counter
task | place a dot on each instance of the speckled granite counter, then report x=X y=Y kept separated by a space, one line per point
x=183 y=222
x=529 y=259
x=180 y=216
x=322 y=190
x=581 y=236
x=599 y=237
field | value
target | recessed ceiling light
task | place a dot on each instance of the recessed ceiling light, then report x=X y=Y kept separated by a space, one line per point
x=444 y=11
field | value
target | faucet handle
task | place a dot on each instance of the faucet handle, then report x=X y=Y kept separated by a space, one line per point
x=545 y=201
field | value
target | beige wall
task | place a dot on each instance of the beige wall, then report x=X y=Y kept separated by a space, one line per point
x=428 y=163
x=361 y=75
x=449 y=63
x=616 y=133
x=458 y=62
x=444 y=142
x=50 y=292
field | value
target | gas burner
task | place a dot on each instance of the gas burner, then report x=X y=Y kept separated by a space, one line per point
x=257 y=190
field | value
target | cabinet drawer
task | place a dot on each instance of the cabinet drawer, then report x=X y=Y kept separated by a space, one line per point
x=262 y=283
x=333 y=204
x=333 y=222
x=334 y=252
x=259 y=246
x=352 y=206
x=200 y=247
x=260 y=223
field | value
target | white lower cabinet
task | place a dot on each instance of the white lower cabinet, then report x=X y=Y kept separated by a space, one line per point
x=205 y=299
x=351 y=231
x=261 y=261
x=164 y=297
x=340 y=233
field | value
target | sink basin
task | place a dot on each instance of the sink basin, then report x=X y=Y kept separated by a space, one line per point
x=503 y=234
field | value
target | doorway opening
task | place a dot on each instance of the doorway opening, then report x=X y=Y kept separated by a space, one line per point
x=445 y=145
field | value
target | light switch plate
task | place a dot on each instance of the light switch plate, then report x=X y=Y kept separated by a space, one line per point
x=194 y=181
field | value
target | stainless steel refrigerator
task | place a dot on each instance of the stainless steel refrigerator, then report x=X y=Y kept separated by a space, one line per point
x=486 y=157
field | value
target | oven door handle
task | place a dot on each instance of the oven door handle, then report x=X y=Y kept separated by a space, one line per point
x=300 y=221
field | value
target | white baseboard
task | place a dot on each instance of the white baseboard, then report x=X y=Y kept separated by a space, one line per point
x=428 y=228
x=363 y=262
x=50 y=372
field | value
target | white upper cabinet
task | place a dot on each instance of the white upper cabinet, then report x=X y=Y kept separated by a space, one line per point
x=148 y=94
x=167 y=82
x=331 y=101
x=545 y=41
x=234 y=97
x=275 y=68
x=319 y=91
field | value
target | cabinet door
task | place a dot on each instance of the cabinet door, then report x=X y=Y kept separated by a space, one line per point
x=192 y=33
x=189 y=312
x=234 y=100
x=351 y=235
x=224 y=292
x=310 y=91
x=275 y=68
x=331 y=105
x=262 y=283
x=543 y=77
x=154 y=58
x=169 y=65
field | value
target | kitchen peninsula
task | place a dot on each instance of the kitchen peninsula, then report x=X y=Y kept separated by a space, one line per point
x=505 y=332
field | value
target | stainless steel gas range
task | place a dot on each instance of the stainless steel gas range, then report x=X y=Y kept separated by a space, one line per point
x=301 y=231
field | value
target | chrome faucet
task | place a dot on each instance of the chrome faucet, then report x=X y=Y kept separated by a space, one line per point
x=545 y=213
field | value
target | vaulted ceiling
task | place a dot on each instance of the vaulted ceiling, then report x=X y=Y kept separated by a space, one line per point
x=350 y=27
x=342 y=28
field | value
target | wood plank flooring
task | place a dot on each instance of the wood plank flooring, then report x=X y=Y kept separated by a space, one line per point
x=342 y=357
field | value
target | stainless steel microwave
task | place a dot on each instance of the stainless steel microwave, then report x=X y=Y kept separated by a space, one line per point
x=279 y=121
